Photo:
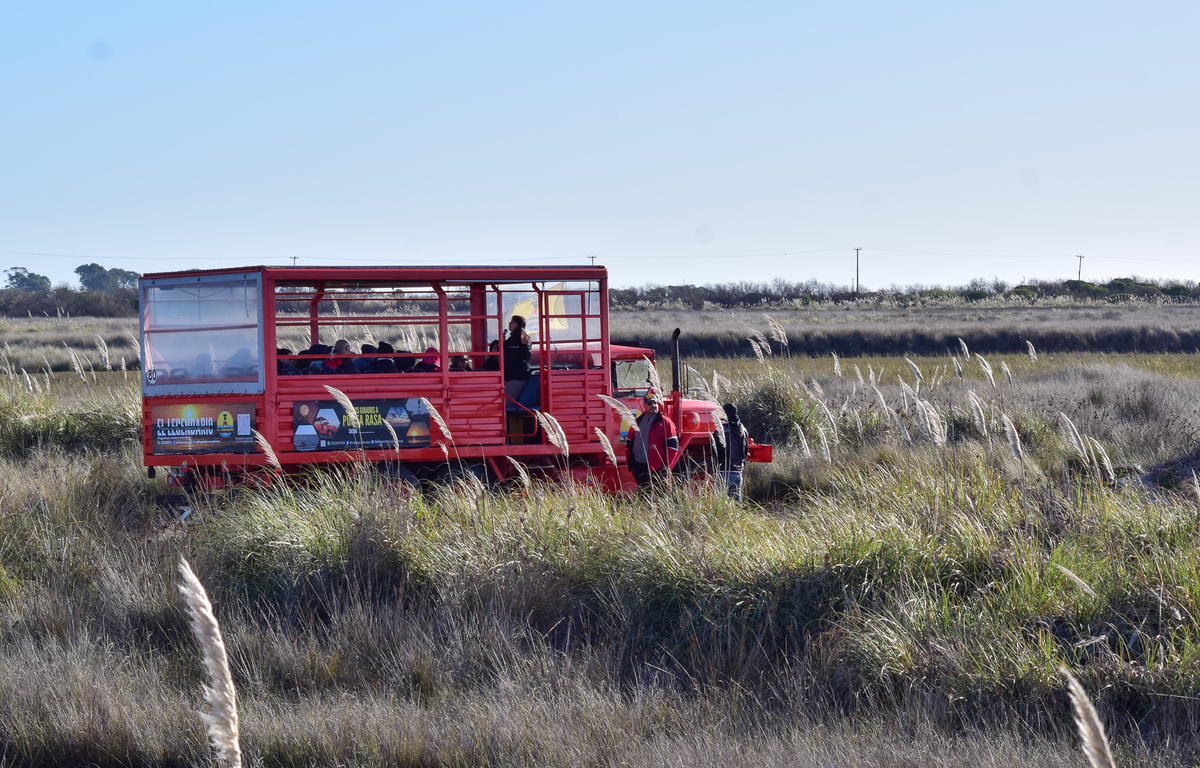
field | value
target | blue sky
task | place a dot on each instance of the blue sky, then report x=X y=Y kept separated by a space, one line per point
x=678 y=142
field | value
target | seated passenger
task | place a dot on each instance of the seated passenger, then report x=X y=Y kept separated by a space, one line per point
x=430 y=363
x=460 y=363
x=203 y=368
x=285 y=367
x=341 y=364
x=398 y=364
x=493 y=361
x=382 y=365
x=363 y=364
x=318 y=365
x=242 y=363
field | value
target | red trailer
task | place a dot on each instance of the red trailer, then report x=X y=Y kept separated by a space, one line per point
x=230 y=352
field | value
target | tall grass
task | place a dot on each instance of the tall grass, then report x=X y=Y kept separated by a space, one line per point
x=907 y=599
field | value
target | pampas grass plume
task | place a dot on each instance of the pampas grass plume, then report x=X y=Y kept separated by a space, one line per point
x=777 y=332
x=607 y=445
x=977 y=410
x=1103 y=460
x=1074 y=438
x=934 y=424
x=1014 y=440
x=900 y=425
x=437 y=419
x=265 y=447
x=102 y=348
x=395 y=438
x=1007 y=373
x=758 y=353
x=986 y=367
x=1076 y=580
x=554 y=431
x=816 y=388
x=623 y=411
x=825 y=454
x=222 y=719
x=916 y=371
x=522 y=473
x=1091 y=730
x=347 y=406
x=805 y=451
x=655 y=381
x=832 y=422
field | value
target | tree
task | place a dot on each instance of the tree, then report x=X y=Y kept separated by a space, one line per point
x=94 y=277
x=23 y=280
x=124 y=278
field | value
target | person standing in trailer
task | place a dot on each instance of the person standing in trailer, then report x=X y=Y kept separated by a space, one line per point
x=517 y=352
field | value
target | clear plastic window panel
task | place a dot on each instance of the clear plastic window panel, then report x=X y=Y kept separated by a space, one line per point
x=202 y=333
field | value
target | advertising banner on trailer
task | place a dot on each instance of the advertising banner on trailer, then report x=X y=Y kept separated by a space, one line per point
x=202 y=428
x=321 y=425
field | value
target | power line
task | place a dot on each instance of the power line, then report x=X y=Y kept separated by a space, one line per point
x=409 y=259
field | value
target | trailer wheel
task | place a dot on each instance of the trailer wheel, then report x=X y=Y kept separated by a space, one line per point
x=398 y=473
x=456 y=471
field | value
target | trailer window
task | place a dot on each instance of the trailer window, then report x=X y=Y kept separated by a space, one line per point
x=202 y=335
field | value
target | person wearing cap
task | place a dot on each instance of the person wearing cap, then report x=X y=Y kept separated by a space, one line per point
x=732 y=451
x=654 y=447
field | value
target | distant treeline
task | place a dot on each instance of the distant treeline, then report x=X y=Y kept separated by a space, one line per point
x=103 y=293
x=63 y=301
x=784 y=293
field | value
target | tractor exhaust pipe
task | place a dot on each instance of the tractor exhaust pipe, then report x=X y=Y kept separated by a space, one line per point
x=675 y=360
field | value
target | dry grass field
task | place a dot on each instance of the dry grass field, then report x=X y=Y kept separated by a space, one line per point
x=902 y=587
x=33 y=343
x=925 y=330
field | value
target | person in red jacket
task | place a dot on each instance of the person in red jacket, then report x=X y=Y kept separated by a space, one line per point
x=653 y=449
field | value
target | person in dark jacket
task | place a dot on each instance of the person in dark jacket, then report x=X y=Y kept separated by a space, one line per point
x=363 y=364
x=285 y=367
x=339 y=363
x=653 y=448
x=400 y=363
x=317 y=365
x=383 y=364
x=517 y=352
x=732 y=451
x=493 y=361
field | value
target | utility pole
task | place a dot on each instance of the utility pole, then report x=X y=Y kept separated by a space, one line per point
x=1079 y=277
x=856 y=250
x=593 y=258
x=294 y=260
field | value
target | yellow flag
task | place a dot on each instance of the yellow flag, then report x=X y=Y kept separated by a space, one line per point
x=528 y=309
